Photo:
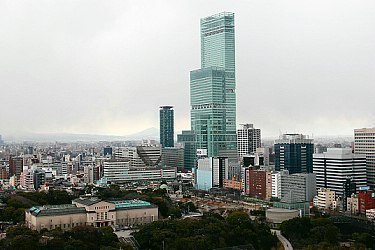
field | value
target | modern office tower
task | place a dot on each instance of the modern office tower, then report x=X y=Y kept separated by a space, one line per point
x=248 y=139
x=166 y=126
x=188 y=140
x=211 y=172
x=1 y=140
x=364 y=143
x=212 y=89
x=298 y=188
x=172 y=157
x=294 y=152
x=333 y=167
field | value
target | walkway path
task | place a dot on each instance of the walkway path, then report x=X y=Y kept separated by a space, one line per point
x=283 y=240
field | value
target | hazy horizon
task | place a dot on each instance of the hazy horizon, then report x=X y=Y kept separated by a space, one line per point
x=100 y=67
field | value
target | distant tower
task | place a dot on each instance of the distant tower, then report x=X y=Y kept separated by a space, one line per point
x=166 y=126
x=248 y=139
x=212 y=88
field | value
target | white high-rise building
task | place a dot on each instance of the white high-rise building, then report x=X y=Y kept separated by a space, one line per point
x=89 y=174
x=336 y=165
x=276 y=183
x=248 y=139
x=211 y=172
x=364 y=143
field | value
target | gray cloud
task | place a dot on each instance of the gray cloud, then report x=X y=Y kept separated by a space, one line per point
x=106 y=66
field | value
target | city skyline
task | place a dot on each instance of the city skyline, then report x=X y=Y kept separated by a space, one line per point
x=84 y=67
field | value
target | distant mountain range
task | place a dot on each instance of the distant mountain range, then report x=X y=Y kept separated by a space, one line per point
x=150 y=133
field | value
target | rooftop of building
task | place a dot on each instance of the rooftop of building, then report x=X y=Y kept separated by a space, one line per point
x=48 y=210
x=131 y=204
x=293 y=139
x=281 y=210
x=218 y=15
x=87 y=201
x=339 y=153
x=166 y=107
x=119 y=204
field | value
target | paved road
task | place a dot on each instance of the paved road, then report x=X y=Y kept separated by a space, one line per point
x=283 y=240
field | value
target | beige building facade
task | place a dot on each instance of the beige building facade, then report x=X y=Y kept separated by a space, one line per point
x=92 y=211
x=325 y=199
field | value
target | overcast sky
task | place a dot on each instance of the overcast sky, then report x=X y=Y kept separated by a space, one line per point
x=105 y=67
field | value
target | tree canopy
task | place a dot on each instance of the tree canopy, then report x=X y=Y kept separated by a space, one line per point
x=210 y=232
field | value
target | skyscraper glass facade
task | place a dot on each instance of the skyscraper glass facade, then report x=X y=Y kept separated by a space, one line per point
x=212 y=88
x=294 y=152
x=166 y=126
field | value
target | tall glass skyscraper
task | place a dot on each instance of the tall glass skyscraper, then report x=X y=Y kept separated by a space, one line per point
x=166 y=126
x=294 y=152
x=212 y=88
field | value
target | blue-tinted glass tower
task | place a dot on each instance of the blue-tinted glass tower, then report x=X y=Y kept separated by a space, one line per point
x=294 y=152
x=166 y=126
x=212 y=88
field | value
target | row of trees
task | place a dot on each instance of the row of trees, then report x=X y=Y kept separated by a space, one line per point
x=18 y=202
x=81 y=237
x=322 y=233
x=210 y=232
x=158 y=197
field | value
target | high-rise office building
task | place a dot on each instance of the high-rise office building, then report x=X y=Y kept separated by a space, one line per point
x=294 y=152
x=188 y=139
x=298 y=187
x=166 y=126
x=248 y=139
x=333 y=167
x=212 y=88
x=364 y=143
x=211 y=172
x=172 y=157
